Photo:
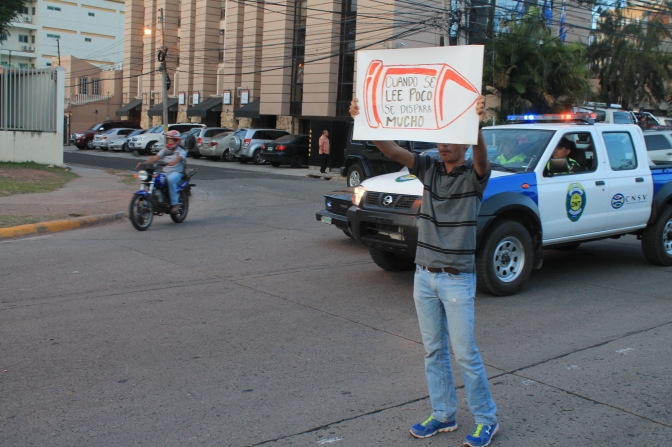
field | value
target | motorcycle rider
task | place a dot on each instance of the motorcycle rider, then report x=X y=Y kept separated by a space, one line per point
x=175 y=157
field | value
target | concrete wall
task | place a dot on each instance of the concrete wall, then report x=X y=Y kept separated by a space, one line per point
x=40 y=147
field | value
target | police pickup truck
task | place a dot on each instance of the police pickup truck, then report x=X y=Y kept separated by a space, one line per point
x=606 y=188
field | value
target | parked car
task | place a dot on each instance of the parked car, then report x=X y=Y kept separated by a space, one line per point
x=608 y=113
x=664 y=121
x=191 y=146
x=659 y=145
x=121 y=144
x=219 y=147
x=103 y=140
x=290 y=150
x=203 y=138
x=84 y=139
x=363 y=159
x=143 y=143
x=245 y=144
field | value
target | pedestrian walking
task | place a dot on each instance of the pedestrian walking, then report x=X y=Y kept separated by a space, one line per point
x=445 y=280
x=324 y=151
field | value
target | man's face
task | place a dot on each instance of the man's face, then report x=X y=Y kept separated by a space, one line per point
x=325 y=133
x=561 y=152
x=170 y=143
x=451 y=153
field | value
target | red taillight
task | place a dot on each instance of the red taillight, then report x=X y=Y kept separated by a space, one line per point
x=263 y=147
x=213 y=143
x=246 y=142
x=280 y=147
x=200 y=140
x=104 y=138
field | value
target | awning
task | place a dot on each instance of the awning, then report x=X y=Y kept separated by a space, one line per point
x=157 y=110
x=203 y=108
x=130 y=107
x=250 y=110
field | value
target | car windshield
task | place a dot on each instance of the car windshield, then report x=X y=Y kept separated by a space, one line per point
x=285 y=139
x=157 y=129
x=95 y=126
x=110 y=132
x=222 y=135
x=622 y=118
x=137 y=132
x=516 y=150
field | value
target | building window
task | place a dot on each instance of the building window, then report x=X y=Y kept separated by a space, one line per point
x=83 y=86
x=92 y=14
x=346 y=63
x=95 y=86
x=87 y=39
x=54 y=36
x=33 y=10
x=32 y=39
x=298 y=53
x=53 y=8
x=48 y=64
x=23 y=38
x=23 y=65
x=24 y=10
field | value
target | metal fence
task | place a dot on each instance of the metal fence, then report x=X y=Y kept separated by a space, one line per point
x=29 y=100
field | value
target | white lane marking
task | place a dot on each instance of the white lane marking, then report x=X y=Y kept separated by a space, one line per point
x=528 y=382
x=624 y=351
x=329 y=440
x=572 y=367
x=27 y=239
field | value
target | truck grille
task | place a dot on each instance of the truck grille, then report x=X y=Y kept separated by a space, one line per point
x=377 y=199
x=339 y=206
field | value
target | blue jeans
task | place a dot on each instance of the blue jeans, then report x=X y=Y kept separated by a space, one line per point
x=445 y=307
x=173 y=179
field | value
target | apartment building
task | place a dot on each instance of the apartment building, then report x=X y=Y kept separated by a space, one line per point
x=91 y=30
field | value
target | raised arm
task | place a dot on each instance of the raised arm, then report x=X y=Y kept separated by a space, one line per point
x=389 y=148
x=480 y=156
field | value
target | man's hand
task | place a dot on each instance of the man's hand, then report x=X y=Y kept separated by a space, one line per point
x=481 y=163
x=354 y=108
x=138 y=165
x=480 y=108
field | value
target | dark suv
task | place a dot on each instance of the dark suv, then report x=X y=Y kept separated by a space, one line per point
x=364 y=160
x=84 y=140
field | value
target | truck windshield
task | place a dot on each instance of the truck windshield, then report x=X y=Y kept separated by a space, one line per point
x=516 y=150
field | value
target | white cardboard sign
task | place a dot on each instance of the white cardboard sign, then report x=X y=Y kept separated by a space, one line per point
x=421 y=94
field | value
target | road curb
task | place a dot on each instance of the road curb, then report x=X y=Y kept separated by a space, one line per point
x=59 y=225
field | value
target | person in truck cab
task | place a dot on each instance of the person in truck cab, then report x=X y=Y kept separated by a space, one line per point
x=445 y=279
x=564 y=149
x=513 y=151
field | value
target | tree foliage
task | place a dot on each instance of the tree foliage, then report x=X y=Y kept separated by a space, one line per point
x=9 y=11
x=630 y=59
x=534 y=72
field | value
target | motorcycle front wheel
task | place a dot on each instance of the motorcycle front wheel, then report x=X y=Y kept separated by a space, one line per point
x=141 y=212
x=182 y=208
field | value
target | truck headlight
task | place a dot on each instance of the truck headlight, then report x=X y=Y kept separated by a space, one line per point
x=357 y=196
x=142 y=176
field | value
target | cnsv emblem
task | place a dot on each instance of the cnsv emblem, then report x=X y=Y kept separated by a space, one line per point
x=576 y=201
x=387 y=200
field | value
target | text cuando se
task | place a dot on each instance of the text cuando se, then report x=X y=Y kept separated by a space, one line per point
x=416 y=100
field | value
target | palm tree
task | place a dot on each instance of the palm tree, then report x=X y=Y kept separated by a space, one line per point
x=534 y=72
x=630 y=59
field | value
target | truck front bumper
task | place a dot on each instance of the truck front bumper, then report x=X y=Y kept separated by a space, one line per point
x=395 y=233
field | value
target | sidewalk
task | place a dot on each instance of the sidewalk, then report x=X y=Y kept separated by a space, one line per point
x=96 y=192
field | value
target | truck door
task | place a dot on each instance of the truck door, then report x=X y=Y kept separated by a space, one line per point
x=630 y=182
x=574 y=204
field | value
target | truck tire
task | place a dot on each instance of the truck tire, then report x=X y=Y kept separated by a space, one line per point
x=505 y=259
x=657 y=239
x=390 y=261
x=356 y=175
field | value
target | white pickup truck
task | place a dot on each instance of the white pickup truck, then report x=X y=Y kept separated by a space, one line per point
x=529 y=204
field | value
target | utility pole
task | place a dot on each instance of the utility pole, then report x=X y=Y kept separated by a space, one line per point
x=164 y=72
x=10 y=58
x=58 y=45
x=446 y=26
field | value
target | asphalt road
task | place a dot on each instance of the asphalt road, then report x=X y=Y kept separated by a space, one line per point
x=253 y=324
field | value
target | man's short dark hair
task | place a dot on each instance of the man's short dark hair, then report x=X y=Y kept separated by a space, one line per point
x=567 y=144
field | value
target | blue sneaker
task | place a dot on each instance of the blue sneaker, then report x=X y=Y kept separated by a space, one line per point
x=431 y=426
x=481 y=436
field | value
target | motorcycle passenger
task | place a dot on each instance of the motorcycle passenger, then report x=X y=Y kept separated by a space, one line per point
x=174 y=156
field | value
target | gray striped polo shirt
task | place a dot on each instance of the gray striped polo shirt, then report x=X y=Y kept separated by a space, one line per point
x=447 y=219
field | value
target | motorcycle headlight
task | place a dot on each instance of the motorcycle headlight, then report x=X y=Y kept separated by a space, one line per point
x=142 y=175
x=357 y=196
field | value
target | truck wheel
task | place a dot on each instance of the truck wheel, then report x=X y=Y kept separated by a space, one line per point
x=390 y=261
x=504 y=260
x=355 y=175
x=657 y=239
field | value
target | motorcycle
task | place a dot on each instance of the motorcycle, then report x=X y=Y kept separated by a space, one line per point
x=153 y=197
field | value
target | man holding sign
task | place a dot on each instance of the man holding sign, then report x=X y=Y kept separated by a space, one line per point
x=445 y=279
